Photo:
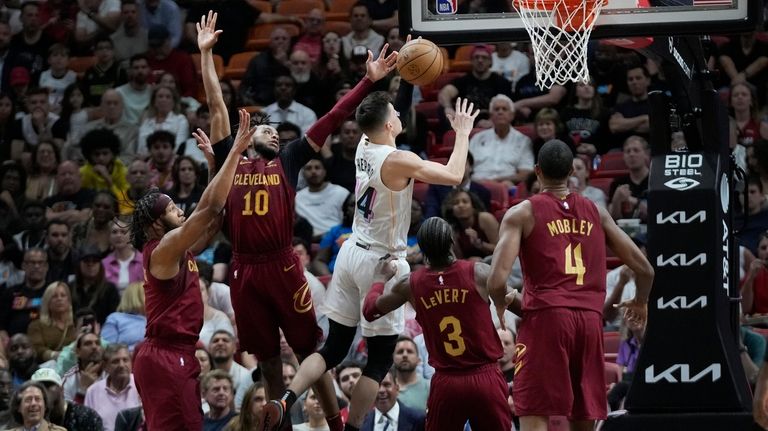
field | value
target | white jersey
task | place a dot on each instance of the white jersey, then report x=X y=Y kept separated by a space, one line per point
x=382 y=216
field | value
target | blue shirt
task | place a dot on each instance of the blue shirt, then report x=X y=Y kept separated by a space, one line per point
x=124 y=328
x=333 y=239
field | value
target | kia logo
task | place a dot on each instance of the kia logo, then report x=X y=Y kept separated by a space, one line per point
x=682 y=184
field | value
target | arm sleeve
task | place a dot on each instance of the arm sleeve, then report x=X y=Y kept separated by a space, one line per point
x=294 y=156
x=340 y=111
x=403 y=100
x=221 y=150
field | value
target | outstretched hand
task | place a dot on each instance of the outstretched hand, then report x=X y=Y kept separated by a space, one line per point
x=635 y=312
x=463 y=118
x=244 y=134
x=205 y=146
x=207 y=35
x=375 y=70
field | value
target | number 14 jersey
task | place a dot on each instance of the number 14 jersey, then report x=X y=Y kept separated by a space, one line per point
x=383 y=216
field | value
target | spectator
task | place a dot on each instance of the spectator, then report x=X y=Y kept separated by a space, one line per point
x=620 y=286
x=392 y=37
x=311 y=40
x=186 y=189
x=507 y=360
x=61 y=411
x=231 y=99
x=213 y=320
x=130 y=38
x=87 y=369
x=105 y=74
x=548 y=126
x=436 y=193
x=103 y=170
x=96 y=230
x=58 y=76
x=123 y=265
x=217 y=388
x=19 y=82
x=744 y=107
x=90 y=289
x=389 y=411
x=413 y=254
x=331 y=65
x=55 y=328
x=414 y=389
x=30 y=46
x=61 y=258
x=59 y=17
x=30 y=407
x=5 y=398
x=96 y=18
x=160 y=145
x=347 y=375
x=165 y=13
x=631 y=117
x=258 y=85
x=187 y=105
x=41 y=183
x=476 y=231
x=113 y=120
x=286 y=108
x=340 y=158
x=116 y=392
x=204 y=358
x=509 y=63
x=136 y=93
x=73 y=120
x=320 y=202
x=21 y=359
x=632 y=335
x=250 y=410
x=72 y=203
x=222 y=348
x=164 y=114
x=128 y=323
x=628 y=192
x=10 y=260
x=744 y=58
x=85 y=323
x=384 y=14
x=130 y=419
x=314 y=414
x=163 y=58
x=325 y=259
x=38 y=124
x=586 y=121
x=33 y=220
x=309 y=91
x=139 y=181
x=316 y=287
x=362 y=32
x=6 y=55
x=502 y=153
x=202 y=121
x=757 y=215
x=581 y=175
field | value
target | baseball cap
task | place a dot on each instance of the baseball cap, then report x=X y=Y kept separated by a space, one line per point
x=87 y=251
x=19 y=76
x=482 y=48
x=359 y=54
x=46 y=375
x=157 y=35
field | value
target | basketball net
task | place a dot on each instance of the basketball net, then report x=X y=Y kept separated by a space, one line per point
x=559 y=32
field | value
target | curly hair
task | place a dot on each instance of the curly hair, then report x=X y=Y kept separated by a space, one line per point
x=448 y=202
x=143 y=218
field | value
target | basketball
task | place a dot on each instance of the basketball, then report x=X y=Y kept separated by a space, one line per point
x=420 y=62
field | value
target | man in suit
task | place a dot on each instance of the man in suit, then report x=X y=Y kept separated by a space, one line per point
x=389 y=414
x=437 y=193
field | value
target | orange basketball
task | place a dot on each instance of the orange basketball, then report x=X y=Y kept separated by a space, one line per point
x=420 y=62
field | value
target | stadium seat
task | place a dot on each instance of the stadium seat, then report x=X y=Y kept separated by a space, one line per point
x=609 y=173
x=611 y=341
x=420 y=192
x=429 y=110
x=528 y=130
x=299 y=7
x=521 y=191
x=449 y=138
x=339 y=10
x=80 y=65
x=612 y=161
x=238 y=64
x=603 y=184
x=218 y=63
x=342 y=28
x=725 y=96
x=499 y=194
x=262 y=5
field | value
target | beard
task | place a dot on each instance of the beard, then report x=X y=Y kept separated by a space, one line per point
x=265 y=151
x=301 y=78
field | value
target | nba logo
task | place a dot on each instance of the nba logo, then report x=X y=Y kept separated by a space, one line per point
x=446 y=7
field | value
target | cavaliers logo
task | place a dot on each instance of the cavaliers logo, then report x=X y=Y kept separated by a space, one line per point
x=519 y=356
x=302 y=299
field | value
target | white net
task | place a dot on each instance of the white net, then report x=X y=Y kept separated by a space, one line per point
x=559 y=31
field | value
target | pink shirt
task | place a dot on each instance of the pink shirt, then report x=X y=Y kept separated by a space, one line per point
x=108 y=403
x=112 y=269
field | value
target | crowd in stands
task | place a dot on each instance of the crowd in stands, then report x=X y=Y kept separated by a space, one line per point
x=98 y=99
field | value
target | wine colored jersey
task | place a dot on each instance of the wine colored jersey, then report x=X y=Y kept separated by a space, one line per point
x=174 y=307
x=456 y=320
x=260 y=206
x=563 y=259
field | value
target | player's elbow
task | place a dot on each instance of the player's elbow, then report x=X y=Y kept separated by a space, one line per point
x=454 y=179
x=645 y=269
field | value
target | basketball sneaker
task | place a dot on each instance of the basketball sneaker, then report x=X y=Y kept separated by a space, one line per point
x=272 y=415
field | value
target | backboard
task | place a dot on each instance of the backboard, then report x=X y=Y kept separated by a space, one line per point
x=619 y=18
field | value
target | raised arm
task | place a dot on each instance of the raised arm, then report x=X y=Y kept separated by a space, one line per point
x=207 y=35
x=377 y=303
x=165 y=258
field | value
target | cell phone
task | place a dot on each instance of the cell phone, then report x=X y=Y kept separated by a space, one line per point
x=88 y=324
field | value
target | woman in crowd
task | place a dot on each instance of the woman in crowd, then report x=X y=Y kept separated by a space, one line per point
x=250 y=409
x=91 y=289
x=73 y=118
x=632 y=335
x=325 y=259
x=213 y=319
x=13 y=183
x=96 y=230
x=55 y=328
x=204 y=358
x=164 y=113
x=476 y=231
x=586 y=121
x=581 y=185
x=186 y=191
x=313 y=411
x=123 y=265
x=744 y=120
x=231 y=99
x=128 y=323
x=547 y=126
x=332 y=64
x=41 y=182
x=189 y=105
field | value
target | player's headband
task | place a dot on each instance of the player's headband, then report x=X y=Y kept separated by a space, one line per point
x=158 y=209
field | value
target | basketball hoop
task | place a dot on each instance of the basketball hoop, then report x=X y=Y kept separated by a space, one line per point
x=559 y=32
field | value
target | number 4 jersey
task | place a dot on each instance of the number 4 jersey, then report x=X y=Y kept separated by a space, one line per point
x=563 y=258
x=456 y=320
x=383 y=216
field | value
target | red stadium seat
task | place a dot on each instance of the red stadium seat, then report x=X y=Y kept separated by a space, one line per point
x=612 y=173
x=342 y=28
x=612 y=161
x=499 y=194
x=603 y=184
x=611 y=341
x=299 y=7
x=238 y=64
x=420 y=192
x=429 y=110
x=527 y=130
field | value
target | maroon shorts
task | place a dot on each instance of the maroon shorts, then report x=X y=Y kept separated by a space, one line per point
x=559 y=365
x=478 y=396
x=166 y=378
x=269 y=293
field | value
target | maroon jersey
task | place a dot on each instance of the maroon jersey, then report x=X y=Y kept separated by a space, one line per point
x=458 y=329
x=174 y=307
x=563 y=259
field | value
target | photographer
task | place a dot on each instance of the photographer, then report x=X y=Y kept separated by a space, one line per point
x=80 y=362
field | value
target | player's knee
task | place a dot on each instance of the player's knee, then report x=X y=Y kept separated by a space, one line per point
x=380 y=359
x=336 y=347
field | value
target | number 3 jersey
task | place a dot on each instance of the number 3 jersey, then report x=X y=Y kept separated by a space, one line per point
x=382 y=216
x=456 y=320
x=563 y=258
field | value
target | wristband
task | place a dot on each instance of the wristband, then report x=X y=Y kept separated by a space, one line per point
x=370 y=311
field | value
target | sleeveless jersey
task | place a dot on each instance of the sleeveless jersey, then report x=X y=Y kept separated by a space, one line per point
x=174 y=307
x=563 y=259
x=260 y=207
x=383 y=215
x=458 y=330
